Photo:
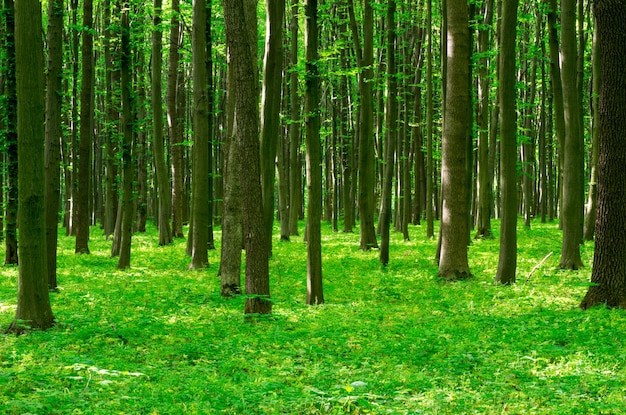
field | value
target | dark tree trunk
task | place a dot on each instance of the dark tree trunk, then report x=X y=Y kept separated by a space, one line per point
x=54 y=133
x=609 y=267
x=247 y=116
x=295 y=169
x=507 y=261
x=314 y=292
x=33 y=302
x=83 y=213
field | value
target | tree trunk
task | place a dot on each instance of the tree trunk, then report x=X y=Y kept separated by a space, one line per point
x=162 y=179
x=33 y=302
x=83 y=214
x=453 y=262
x=430 y=227
x=507 y=261
x=126 y=207
x=174 y=124
x=314 y=292
x=54 y=133
x=573 y=151
x=247 y=116
x=609 y=268
x=295 y=169
x=199 y=233
x=270 y=121
x=392 y=133
x=10 y=219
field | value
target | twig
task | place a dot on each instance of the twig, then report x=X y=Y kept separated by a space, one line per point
x=532 y=271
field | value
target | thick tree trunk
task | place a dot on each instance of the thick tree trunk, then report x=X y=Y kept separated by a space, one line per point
x=609 y=267
x=453 y=261
x=247 y=116
x=33 y=302
x=507 y=261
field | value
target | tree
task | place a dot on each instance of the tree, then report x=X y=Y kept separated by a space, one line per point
x=10 y=108
x=162 y=179
x=83 y=213
x=573 y=152
x=247 y=118
x=33 y=302
x=392 y=133
x=608 y=275
x=507 y=261
x=315 y=292
x=271 y=95
x=453 y=261
x=199 y=232
x=54 y=133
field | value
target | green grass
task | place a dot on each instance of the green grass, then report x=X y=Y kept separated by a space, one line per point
x=158 y=339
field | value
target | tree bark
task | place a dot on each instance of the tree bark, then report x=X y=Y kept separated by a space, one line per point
x=247 y=116
x=609 y=268
x=33 y=302
x=507 y=260
x=83 y=214
x=453 y=261
x=295 y=169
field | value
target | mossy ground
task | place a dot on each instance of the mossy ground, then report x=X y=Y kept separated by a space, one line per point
x=159 y=339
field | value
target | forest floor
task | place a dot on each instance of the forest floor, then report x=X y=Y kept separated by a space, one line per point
x=159 y=339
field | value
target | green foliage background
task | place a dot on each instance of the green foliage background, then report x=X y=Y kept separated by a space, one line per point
x=159 y=339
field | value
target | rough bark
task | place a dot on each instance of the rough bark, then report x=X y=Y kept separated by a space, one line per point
x=247 y=116
x=609 y=268
x=453 y=260
x=33 y=302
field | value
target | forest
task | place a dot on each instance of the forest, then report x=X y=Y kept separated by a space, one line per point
x=312 y=207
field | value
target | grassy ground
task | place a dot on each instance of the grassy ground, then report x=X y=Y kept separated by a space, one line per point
x=158 y=339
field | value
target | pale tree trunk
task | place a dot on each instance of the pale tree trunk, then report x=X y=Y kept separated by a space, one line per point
x=54 y=133
x=430 y=227
x=162 y=179
x=270 y=121
x=199 y=232
x=33 y=302
x=592 y=198
x=609 y=266
x=83 y=214
x=453 y=261
x=314 y=292
x=247 y=119
x=573 y=151
x=507 y=260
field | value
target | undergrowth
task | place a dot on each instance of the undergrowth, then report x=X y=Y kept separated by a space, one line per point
x=159 y=339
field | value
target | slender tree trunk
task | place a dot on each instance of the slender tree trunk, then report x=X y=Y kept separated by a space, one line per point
x=392 y=133
x=199 y=233
x=573 y=152
x=314 y=292
x=125 y=215
x=430 y=227
x=54 y=133
x=608 y=274
x=162 y=179
x=270 y=121
x=33 y=302
x=83 y=215
x=507 y=261
x=10 y=219
x=295 y=170
x=110 y=130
